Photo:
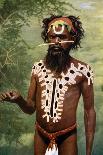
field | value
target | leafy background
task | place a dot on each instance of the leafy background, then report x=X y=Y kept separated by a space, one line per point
x=20 y=35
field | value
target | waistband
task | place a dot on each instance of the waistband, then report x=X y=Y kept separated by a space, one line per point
x=53 y=136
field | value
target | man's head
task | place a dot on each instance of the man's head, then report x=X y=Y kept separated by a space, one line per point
x=64 y=34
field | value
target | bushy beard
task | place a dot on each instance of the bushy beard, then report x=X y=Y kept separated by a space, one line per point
x=57 y=58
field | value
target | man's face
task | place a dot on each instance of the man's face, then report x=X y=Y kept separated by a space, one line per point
x=58 y=53
x=58 y=39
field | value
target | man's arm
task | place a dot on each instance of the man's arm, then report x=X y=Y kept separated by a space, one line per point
x=89 y=114
x=27 y=106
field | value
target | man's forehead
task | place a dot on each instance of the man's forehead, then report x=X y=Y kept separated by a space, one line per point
x=58 y=31
x=59 y=25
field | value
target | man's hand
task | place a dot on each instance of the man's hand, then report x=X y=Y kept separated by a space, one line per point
x=11 y=96
x=28 y=106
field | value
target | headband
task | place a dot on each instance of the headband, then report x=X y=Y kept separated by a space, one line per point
x=61 y=21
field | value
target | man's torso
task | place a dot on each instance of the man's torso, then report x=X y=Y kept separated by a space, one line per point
x=57 y=96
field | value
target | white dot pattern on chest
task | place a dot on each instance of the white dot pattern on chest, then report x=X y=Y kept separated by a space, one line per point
x=53 y=96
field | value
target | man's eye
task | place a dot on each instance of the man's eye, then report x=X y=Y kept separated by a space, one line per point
x=52 y=37
x=63 y=37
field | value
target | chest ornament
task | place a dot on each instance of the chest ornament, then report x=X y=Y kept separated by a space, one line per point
x=53 y=96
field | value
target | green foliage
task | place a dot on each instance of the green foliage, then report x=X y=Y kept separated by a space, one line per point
x=102 y=87
x=32 y=7
x=12 y=121
x=1 y=3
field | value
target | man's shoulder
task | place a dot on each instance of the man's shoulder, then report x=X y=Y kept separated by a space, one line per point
x=83 y=68
x=76 y=62
x=37 y=66
x=37 y=63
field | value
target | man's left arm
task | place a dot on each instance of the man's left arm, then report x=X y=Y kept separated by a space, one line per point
x=89 y=114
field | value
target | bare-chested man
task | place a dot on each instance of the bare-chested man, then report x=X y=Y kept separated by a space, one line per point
x=57 y=83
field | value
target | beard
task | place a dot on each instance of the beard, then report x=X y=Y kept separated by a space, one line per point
x=57 y=58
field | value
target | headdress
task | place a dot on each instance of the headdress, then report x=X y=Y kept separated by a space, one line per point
x=63 y=21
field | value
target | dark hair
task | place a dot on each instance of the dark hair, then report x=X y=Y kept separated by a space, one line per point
x=79 y=34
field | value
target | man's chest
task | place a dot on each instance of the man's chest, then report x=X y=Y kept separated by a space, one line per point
x=54 y=90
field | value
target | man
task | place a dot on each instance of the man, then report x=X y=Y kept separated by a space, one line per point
x=57 y=83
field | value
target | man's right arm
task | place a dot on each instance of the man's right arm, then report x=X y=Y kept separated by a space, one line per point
x=27 y=106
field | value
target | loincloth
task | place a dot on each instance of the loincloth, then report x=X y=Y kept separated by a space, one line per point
x=53 y=136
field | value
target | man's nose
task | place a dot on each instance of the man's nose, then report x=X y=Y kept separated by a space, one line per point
x=57 y=40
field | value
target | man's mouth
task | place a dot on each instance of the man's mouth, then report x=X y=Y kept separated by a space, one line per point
x=57 y=48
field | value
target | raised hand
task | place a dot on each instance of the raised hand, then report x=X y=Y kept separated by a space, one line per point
x=10 y=96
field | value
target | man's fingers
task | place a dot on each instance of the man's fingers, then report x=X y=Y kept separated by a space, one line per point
x=13 y=93
x=5 y=96
x=2 y=96
x=8 y=95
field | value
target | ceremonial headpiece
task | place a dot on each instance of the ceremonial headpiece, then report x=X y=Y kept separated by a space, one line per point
x=62 y=21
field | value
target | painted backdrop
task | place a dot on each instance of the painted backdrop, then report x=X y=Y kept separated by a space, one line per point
x=20 y=35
